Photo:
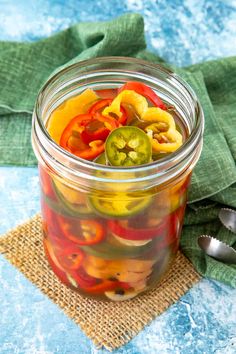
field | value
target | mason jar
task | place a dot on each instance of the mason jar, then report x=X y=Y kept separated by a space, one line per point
x=110 y=232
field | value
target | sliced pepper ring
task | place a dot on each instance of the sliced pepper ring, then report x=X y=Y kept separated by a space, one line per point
x=98 y=128
x=79 y=278
x=70 y=258
x=97 y=106
x=128 y=146
x=49 y=250
x=70 y=201
x=101 y=104
x=138 y=234
x=71 y=139
x=46 y=182
x=82 y=232
x=65 y=257
x=84 y=136
x=76 y=125
x=94 y=149
x=145 y=91
x=168 y=141
x=118 y=205
x=112 y=251
x=138 y=102
x=155 y=114
x=107 y=93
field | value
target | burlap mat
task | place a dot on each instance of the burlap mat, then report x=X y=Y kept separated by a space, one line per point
x=107 y=324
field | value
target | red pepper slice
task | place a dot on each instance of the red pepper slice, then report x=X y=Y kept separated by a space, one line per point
x=94 y=285
x=71 y=139
x=98 y=128
x=83 y=142
x=70 y=258
x=96 y=147
x=129 y=233
x=145 y=91
x=123 y=119
x=82 y=232
x=107 y=93
x=110 y=123
x=52 y=229
x=83 y=279
x=75 y=126
x=63 y=252
x=101 y=104
x=50 y=224
x=46 y=183
x=94 y=130
x=74 y=269
x=97 y=106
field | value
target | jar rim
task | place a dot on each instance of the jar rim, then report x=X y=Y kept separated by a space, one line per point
x=160 y=163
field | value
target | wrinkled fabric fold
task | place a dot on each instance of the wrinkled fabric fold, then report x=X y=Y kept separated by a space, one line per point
x=24 y=67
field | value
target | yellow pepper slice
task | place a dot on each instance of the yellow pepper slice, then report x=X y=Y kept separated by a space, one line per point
x=125 y=276
x=166 y=141
x=138 y=102
x=129 y=270
x=135 y=265
x=140 y=105
x=74 y=106
x=155 y=114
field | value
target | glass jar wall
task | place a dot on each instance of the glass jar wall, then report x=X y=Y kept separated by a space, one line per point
x=112 y=233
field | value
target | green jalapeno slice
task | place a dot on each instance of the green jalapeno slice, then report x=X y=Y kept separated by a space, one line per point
x=73 y=203
x=128 y=146
x=107 y=250
x=118 y=205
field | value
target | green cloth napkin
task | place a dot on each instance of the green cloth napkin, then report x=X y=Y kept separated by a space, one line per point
x=24 y=67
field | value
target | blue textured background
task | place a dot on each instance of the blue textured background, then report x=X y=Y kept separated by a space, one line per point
x=204 y=320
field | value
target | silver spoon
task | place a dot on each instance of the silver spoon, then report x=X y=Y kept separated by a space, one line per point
x=228 y=219
x=217 y=249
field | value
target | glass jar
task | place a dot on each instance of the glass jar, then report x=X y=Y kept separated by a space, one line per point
x=112 y=233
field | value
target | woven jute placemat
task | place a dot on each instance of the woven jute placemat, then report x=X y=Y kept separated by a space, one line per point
x=107 y=324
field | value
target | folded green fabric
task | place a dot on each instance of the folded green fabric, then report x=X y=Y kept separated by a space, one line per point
x=24 y=67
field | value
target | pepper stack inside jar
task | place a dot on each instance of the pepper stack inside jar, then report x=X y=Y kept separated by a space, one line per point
x=118 y=243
